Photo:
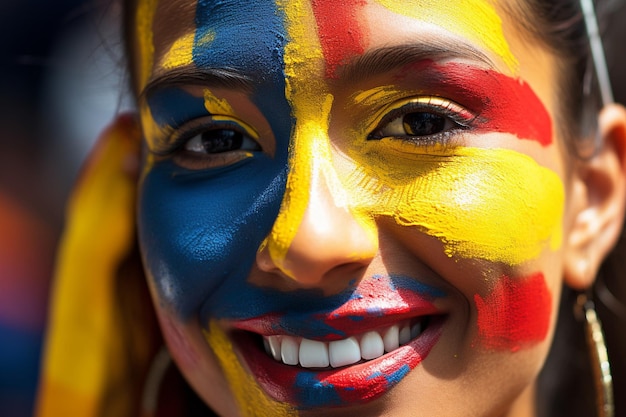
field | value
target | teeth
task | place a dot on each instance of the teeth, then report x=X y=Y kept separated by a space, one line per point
x=274 y=344
x=416 y=330
x=372 y=346
x=344 y=352
x=405 y=334
x=315 y=354
x=289 y=350
x=390 y=338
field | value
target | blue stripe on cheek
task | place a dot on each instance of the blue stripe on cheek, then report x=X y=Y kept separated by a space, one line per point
x=199 y=229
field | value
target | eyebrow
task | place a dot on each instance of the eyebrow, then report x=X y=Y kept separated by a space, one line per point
x=382 y=60
x=371 y=63
x=226 y=78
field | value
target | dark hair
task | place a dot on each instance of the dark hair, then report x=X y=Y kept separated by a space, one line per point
x=566 y=386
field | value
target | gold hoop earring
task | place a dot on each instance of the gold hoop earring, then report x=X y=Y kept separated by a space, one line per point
x=601 y=368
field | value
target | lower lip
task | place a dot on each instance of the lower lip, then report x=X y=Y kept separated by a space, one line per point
x=358 y=384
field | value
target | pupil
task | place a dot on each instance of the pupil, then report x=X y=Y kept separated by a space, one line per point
x=221 y=140
x=423 y=124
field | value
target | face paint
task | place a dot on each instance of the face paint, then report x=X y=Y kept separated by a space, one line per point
x=193 y=207
x=180 y=53
x=357 y=384
x=515 y=314
x=311 y=103
x=446 y=193
x=143 y=20
x=216 y=105
x=200 y=229
x=500 y=103
x=377 y=302
x=492 y=204
x=339 y=31
x=252 y=400
x=475 y=20
x=381 y=299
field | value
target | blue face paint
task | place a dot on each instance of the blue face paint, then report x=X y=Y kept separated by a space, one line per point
x=309 y=314
x=173 y=107
x=245 y=35
x=312 y=393
x=201 y=229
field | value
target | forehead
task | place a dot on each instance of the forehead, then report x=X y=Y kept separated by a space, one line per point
x=237 y=34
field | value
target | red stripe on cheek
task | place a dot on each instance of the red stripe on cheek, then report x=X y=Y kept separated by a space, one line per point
x=502 y=104
x=340 y=35
x=516 y=314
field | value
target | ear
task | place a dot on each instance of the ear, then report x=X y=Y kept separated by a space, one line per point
x=598 y=198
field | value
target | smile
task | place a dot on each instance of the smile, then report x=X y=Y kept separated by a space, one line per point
x=367 y=346
x=352 y=353
x=313 y=383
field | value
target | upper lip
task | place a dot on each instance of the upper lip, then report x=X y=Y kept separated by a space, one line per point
x=359 y=314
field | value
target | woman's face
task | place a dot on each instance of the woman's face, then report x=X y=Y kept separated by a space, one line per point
x=351 y=205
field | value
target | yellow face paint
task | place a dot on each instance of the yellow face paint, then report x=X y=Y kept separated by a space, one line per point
x=250 y=397
x=220 y=109
x=311 y=104
x=144 y=19
x=493 y=204
x=215 y=105
x=180 y=53
x=475 y=20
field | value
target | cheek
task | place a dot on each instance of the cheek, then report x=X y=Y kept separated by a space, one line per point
x=491 y=204
x=198 y=229
x=515 y=314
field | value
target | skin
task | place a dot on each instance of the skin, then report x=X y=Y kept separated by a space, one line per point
x=309 y=211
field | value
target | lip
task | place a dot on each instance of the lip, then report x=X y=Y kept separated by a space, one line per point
x=360 y=383
x=378 y=302
x=356 y=384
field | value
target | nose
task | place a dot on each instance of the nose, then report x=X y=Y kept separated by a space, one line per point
x=330 y=243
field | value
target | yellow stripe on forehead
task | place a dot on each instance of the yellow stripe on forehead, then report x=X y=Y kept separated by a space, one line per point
x=144 y=18
x=311 y=103
x=180 y=53
x=493 y=204
x=475 y=20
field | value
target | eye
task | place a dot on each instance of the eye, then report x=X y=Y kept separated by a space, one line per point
x=213 y=144
x=219 y=141
x=422 y=120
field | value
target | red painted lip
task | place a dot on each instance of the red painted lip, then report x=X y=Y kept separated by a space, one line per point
x=354 y=384
x=356 y=316
x=374 y=304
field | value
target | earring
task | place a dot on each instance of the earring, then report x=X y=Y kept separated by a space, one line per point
x=585 y=309
x=150 y=396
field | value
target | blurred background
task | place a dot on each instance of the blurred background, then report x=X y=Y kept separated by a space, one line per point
x=62 y=79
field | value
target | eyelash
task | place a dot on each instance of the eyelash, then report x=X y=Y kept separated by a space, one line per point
x=230 y=152
x=439 y=107
x=452 y=113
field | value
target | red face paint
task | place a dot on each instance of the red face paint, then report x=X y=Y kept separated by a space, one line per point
x=501 y=103
x=339 y=31
x=516 y=313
